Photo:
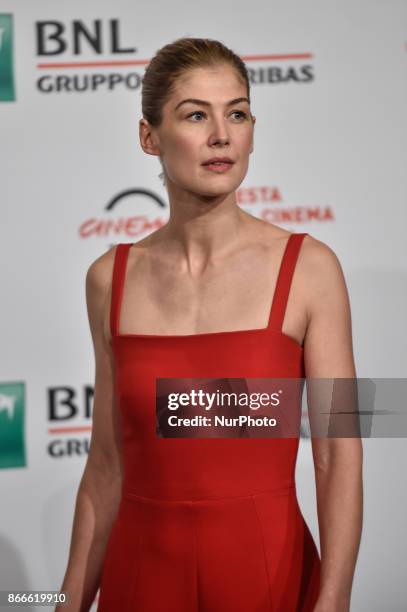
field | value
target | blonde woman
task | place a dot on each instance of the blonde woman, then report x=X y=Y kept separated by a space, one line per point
x=195 y=523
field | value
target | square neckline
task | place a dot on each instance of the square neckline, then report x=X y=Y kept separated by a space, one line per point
x=268 y=328
x=215 y=333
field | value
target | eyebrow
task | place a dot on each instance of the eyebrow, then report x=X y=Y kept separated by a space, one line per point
x=205 y=103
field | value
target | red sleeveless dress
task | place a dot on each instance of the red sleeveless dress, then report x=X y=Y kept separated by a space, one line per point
x=206 y=524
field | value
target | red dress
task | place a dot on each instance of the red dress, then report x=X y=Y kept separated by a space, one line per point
x=206 y=524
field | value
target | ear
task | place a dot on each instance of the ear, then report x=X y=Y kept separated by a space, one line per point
x=148 y=138
x=254 y=121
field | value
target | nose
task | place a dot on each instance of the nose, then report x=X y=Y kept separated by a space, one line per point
x=220 y=140
x=218 y=134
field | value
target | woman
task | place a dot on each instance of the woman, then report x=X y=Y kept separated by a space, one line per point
x=197 y=523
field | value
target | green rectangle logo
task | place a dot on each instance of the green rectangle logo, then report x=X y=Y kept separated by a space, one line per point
x=12 y=443
x=7 y=91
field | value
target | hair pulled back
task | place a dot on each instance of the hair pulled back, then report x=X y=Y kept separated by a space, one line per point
x=176 y=58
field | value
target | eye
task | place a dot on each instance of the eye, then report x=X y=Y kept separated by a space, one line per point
x=195 y=113
x=242 y=114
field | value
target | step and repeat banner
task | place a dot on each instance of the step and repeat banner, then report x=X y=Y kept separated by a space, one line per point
x=328 y=88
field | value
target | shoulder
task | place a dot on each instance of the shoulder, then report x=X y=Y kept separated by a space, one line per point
x=98 y=294
x=321 y=275
x=316 y=259
x=98 y=288
x=319 y=261
x=99 y=272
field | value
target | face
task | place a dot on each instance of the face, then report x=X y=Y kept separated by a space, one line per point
x=191 y=133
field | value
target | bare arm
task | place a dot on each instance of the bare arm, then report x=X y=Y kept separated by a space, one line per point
x=328 y=353
x=99 y=491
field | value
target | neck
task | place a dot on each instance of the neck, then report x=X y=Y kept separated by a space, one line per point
x=205 y=229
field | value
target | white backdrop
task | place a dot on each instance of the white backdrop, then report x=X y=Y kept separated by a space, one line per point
x=329 y=93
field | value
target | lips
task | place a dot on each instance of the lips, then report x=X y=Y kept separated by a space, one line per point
x=218 y=161
x=218 y=167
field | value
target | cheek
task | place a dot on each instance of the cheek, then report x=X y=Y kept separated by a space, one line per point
x=247 y=140
x=182 y=157
x=182 y=145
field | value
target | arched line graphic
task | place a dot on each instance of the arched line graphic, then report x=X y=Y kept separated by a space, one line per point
x=128 y=192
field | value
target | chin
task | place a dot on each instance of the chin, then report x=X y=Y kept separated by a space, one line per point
x=217 y=190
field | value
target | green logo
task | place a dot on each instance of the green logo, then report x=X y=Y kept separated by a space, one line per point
x=12 y=447
x=7 y=93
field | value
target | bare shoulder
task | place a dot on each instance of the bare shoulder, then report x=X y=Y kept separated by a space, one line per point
x=99 y=273
x=320 y=270
x=98 y=291
x=318 y=285
x=318 y=251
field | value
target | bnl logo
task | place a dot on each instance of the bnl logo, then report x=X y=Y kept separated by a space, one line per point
x=7 y=92
x=12 y=446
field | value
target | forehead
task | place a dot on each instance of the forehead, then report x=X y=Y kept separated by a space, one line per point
x=210 y=80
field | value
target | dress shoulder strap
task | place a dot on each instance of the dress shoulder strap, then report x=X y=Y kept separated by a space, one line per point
x=284 y=279
x=119 y=271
